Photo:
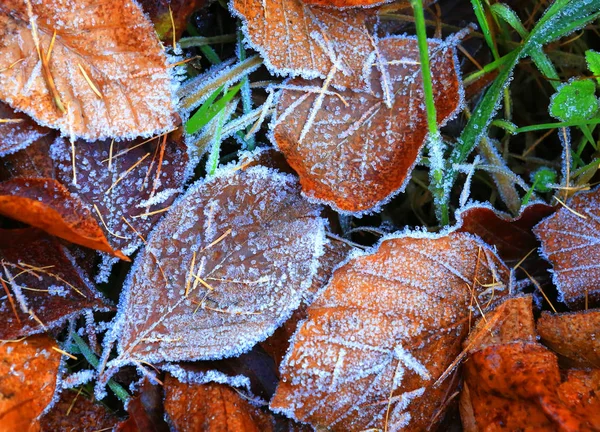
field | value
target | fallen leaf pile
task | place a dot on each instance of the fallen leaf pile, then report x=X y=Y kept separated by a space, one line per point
x=142 y=291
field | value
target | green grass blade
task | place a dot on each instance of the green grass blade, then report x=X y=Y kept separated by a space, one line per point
x=203 y=116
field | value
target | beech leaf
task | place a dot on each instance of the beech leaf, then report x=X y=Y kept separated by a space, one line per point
x=104 y=75
x=228 y=264
x=17 y=130
x=386 y=327
x=353 y=150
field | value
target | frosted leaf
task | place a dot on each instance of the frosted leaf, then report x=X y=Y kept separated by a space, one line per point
x=231 y=261
x=348 y=148
x=17 y=130
x=28 y=371
x=33 y=266
x=389 y=323
x=295 y=38
x=32 y=161
x=106 y=75
x=111 y=190
x=355 y=3
x=571 y=242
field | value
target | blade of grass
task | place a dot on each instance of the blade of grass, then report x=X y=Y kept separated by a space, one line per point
x=203 y=116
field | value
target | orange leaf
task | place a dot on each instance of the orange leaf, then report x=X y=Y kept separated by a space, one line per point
x=41 y=284
x=227 y=265
x=354 y=150
x=581 y=393
x=98 y=78
x=386 y=327
x=28 y=371
x=570 y=242
x=44 y=203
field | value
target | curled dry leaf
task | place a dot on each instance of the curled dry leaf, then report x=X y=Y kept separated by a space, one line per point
x=353 y=150
x=96 y=78
x=385 y=328
x=228 y=264
x=571 y=242
x=17 y=130
x=46 y=204
x=217 y=408
x=75 y=412
x=42 y=285
x=575 y=336
x=135 y=180
x=28 y=370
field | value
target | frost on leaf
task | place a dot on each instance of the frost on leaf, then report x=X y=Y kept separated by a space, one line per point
x=385 y=328
x=295 y=38
x=229 y=263
x=135 y=180
x=46 y=204
x=75 y=412
x=105 y=75
x=217 y=408
x=571 y=242
x=354 y=3
x=41 y=284
x=575 y=336
x=17 y=130
x=353 y=150
x=28 y=371
x=32 y=161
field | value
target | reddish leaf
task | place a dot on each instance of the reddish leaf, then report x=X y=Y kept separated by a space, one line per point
x=42 y=285
x=17 y=130
x=146 y=412
x=575 y=336
x=216 y=407
x=581 y=393
x=74 y=412
x=228 y=264
x=349 y=3
x=28 y=371
x=162 y=11
x=99 y=80
x=46 y=204
x=571 y=243
x=385 y=328
x=354 y=150
x=113 y=190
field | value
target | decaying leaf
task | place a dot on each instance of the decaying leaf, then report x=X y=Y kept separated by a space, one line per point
x=146 y=411
x=580 y=391
x=124 y=185
x=168 y=13
x=91 y=70
x=75 y=412
x=295 y=38
x=575 y=336
x=571 y=242
x=350 y=3
x=32 y=161
x=46 y=204
x=385 y=328
x=227 y=265
x=353 y=150
x=217 y=408
x=17 y=130
x=42 y=285
x=28 y=371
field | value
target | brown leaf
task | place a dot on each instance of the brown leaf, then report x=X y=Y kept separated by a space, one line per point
x=352 y=3
x=41 y=284
x=146 y=411
x=46 y=204
x=385 y=328
x=75 y=412
x=134 y=180
x=98 y=79
x=354 y=150
x=161 y=12
x=581 y=393
x=17 y=130
x=216 y=407
x=28 y=371
x=32 y=161
x=227 y=265
x=570 y=242
x=575 y=336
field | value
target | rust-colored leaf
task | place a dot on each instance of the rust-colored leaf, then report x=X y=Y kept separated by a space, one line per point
x=165 y=13
x=227 y=265
x=353 y=150
x=146 y=411
x=41 y=284
x=98 y=78
x=217 y=408
x=76 y=412
x=28 y=371
x=17 y=130
x=575 y=336
x=46 y=204
x=580 y=391
x=352 y=3
x=570 y=241
x=386 y=327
